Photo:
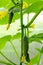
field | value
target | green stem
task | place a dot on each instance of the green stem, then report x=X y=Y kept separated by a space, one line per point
x=21 y=31
x=33 y=18
x=7 y=58
x=15 y=50
x=4 y=62
x=39 y=59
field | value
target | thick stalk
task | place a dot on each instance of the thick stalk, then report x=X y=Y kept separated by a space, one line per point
x=33 y=18
x=21 y=31
x=7 y=58
x=14 y=49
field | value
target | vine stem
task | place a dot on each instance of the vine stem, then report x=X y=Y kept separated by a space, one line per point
x=7 y=58
x=33 y=18
x=4 y=62
x=21 y=31
x=14 y=49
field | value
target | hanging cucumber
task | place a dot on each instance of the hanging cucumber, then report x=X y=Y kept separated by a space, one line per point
x=10 y=19
x=14 y=9
x=26 y=47
x=25 y=56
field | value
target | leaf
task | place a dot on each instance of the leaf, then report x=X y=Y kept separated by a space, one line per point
x=34 y=60
x=35 y=7
x=36 y=38
x=3 y=41
x=42 y=49
x=6 y=3
x=17 y=36
x=40 y=35
x=9 y=3
x=31 y=1
x=39 y=50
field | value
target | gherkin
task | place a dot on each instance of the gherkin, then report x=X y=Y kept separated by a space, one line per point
x=25 y=45
x=25 y=48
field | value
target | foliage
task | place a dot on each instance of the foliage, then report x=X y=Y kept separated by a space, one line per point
x=3 y=41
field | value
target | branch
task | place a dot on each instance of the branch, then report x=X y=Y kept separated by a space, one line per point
x=22 y=32
x=33 y=18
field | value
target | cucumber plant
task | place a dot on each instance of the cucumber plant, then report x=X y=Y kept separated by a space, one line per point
x=20 y=7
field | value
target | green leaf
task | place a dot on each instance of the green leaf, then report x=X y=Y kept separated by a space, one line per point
x=36 y=38
x=35 y=7
x=34 y=60
x=31 y=1
x=42 y=50
x=4 y=20
x=39 y=50
x=40 y=35
x=17 y=36
x=3 y=41
x=6 y=3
